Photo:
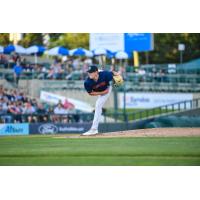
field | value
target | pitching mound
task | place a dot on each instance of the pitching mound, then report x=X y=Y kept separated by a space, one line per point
x=155 y=132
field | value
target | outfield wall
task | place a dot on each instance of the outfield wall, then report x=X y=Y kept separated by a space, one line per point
x=70 y=128
x=79 y=128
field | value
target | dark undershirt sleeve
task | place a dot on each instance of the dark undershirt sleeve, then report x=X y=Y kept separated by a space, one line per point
x=88 y=88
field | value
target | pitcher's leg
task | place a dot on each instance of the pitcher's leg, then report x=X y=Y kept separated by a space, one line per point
x=98 y=109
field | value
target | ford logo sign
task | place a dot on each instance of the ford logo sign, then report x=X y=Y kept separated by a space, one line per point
x=48 y=128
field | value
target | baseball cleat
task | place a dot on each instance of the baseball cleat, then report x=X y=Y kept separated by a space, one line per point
x=90 y=132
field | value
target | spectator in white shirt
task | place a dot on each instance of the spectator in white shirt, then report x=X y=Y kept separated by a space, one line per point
x=28 y=109
x=59 y=109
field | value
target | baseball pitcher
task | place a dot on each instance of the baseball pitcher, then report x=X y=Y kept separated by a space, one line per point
x=98 y=84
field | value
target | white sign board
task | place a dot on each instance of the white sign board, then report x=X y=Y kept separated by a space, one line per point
x=152 y=100
x=54 y=98
x=111 y=41
x=181 y=47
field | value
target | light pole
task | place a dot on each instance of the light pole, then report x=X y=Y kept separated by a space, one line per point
x=124 y=99
x=181 y=48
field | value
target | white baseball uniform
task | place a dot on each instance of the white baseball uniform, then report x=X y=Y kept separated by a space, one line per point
x=102 y=84
x=98 y=108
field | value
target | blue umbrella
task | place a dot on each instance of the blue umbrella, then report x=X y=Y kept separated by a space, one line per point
x=35 y=50
x=58 y=51
x=101 y=52
x=1 y=49
x=110 y=54
x=80 y=52
x=14 y=48
x=121 y=55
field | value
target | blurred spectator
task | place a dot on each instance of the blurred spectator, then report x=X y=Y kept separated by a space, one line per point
x=42 y=112
x=141 y=71
x=15 y=57
x=55 y=72
x=3 y=104
x=88 y=61
x=12 y=108
x=68 y=105
x=17 y=72
x=59 y=109
x=41 y=109
x=42 y=72
x=160 y=76
x=32 y=119
x=3 y=60
x=28 y=109
x=76 y=64
x=15 y=110
x=2 y=112
x=28 y=68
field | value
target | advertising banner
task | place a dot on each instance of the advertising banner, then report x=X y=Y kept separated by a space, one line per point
x=111 y=41
x=54 y=128
x=54 y=98
x=138 y=42
x=127 y=42
x=151 y=100
x=14 y=129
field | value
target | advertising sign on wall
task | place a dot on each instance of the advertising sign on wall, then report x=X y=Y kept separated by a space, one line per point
x=55 y=98
x=151 y=100
x=54 y=128
x=14 y=129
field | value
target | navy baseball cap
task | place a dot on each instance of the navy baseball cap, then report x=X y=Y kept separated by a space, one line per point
x=92 y=68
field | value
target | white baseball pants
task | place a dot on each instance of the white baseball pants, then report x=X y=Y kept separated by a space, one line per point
x=98 y=108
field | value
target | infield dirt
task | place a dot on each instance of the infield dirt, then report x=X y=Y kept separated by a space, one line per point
x=154 y=132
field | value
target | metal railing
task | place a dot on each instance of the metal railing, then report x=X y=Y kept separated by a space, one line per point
x=47 y=117
x=165 y=110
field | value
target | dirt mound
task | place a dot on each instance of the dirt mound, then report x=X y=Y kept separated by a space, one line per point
x=154 y=132
x=166 y=132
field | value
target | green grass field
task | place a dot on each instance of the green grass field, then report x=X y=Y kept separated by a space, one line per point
x=45 y=150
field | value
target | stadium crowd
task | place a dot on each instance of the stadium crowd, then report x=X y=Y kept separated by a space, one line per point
x=16 y=107
x=54 y=71
x=75 y=68
x=63 y=68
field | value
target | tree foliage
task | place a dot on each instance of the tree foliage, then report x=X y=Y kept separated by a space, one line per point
x=71 y=40
x=30 y=39
x=4 y=39
x=166 y=47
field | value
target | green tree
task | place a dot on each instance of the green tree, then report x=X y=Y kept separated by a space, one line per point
x=4 y=39
x=166 y=48
x=30 y=39
x=71 y=40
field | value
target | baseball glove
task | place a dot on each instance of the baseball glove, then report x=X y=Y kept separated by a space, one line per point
x=117 y=80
